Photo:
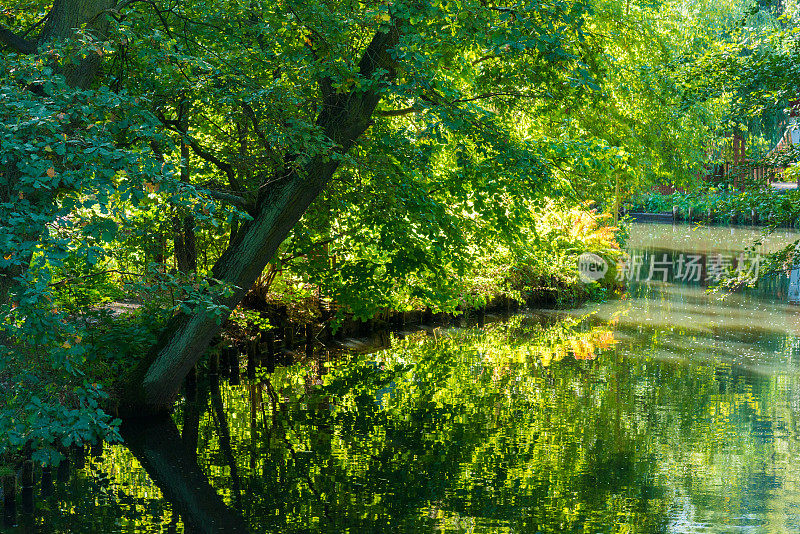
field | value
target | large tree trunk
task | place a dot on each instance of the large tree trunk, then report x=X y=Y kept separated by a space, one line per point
x=66 y=17
x=154 y=384
x=64 y=20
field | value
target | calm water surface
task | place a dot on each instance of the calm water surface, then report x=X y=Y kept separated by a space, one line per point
x=670 y=410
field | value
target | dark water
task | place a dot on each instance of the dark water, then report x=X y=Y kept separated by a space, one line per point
x=670 y=410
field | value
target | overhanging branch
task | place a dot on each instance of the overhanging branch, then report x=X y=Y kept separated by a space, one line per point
x=398 y=112
x=200 y=152
x=17 y=43
x=230 y=198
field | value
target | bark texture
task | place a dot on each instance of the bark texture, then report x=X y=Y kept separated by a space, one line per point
x=65 y=19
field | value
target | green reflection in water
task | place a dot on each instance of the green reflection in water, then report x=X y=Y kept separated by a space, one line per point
x=671 y=410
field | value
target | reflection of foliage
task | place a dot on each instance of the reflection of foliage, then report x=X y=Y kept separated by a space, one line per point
x=108 y=495
x=451 y=431
x=473 y=430
x=521 y=341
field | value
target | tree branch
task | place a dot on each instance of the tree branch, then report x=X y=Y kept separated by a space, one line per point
x=398 y=112
x=200 y=152
x=484 y=58
x=490 y=95
x=17 y=43
x=251 y=114
x=230 y=198
x=37 y=24
x=224 y=166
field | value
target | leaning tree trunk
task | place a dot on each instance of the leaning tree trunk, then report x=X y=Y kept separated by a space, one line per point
x=154 y=384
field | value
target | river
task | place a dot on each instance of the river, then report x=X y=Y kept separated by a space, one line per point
x=671 y=409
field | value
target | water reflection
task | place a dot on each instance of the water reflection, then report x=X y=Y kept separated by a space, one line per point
x=671 y=410
x=162 y=453
x=695 y=238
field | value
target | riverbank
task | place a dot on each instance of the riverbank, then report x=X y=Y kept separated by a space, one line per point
x=543 y=273
x=759 y=207
x=298 y=310
x=290 y=325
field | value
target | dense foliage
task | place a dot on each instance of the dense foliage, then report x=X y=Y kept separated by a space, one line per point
x=715 y=205
x=158 y=156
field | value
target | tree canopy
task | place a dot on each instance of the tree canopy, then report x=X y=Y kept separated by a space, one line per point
x=172 y=151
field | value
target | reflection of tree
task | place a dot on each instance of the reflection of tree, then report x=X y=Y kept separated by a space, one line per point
x=159 y=448
x=472 y=431
x=223 y=431
x=457 y=432
x=195 y=404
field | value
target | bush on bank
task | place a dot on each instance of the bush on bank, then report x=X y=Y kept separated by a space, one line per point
x=762 y=206
x=540 y=269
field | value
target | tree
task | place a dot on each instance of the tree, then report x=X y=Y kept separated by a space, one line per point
x=219 y=126
x=342 y=119
x=340 y=98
